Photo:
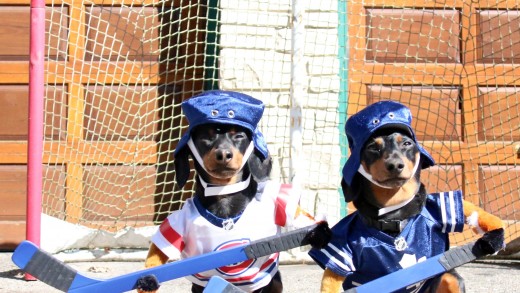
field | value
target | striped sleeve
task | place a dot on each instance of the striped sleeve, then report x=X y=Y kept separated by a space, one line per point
x=169 y=237
x=450 y=210
x=335 y=257
x=288 y=212
x=281 y=202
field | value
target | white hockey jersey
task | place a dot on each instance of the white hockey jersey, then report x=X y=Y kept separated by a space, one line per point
x=193 y=231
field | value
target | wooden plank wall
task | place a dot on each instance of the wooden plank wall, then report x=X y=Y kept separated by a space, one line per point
x=88 y=70
x=456 y=64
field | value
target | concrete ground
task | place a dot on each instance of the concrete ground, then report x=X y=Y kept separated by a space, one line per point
x=496 y=276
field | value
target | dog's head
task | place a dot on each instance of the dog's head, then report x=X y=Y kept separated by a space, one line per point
x=225 y=149
x=384 y=149
x=390 y=158
x=222 y=137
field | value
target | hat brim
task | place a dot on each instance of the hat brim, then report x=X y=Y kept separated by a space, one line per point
x=400 y=127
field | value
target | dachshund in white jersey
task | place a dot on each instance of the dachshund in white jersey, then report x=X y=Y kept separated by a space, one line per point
x=234 y=201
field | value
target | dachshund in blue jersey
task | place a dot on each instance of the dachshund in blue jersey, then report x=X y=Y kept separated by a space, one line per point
x=397 y=222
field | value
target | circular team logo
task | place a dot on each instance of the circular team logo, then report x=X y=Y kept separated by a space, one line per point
x=400 y=243
x=236 y=268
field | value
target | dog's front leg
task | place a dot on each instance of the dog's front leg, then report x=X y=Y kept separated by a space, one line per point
x=155 y=257
x=331 y=282
x=450 y=283
x=483 y=222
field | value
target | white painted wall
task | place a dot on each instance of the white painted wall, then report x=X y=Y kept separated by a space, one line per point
x=256 y=59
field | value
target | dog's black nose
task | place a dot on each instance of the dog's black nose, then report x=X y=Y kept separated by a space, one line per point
x=223 y=155
x=394 y=165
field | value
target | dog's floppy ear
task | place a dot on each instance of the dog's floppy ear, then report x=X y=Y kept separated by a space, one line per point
x=260 y=168
x=182 y=167
x=349 y=192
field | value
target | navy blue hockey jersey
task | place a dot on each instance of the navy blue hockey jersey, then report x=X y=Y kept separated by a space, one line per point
x=362 y=253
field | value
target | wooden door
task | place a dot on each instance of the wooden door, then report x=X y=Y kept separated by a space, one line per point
x=455 y=64
x=101 y=61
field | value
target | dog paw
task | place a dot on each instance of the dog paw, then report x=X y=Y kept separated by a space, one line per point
x=148 y=284
x=492 y=241
x=320 y=236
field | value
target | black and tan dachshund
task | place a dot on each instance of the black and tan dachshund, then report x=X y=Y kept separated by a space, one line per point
x=222 y=148
x=390 y=157
x=397 y=223
x=234 y=201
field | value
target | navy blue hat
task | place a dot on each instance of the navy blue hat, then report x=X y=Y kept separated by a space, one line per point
x=224 y=107
x=362 y=125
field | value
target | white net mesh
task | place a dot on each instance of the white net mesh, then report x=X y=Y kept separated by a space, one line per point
x=116 y=73
x=454 y=63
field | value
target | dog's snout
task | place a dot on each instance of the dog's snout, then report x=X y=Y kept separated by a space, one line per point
x=394 y=165
x=223 y=155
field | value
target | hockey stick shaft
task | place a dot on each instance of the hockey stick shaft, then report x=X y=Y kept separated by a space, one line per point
x=429 y=268
x=55 y=273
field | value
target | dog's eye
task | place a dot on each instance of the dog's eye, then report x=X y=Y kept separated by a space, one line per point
x=407 y=143
x=207 y=138
x=373 y=147
x=239 y=135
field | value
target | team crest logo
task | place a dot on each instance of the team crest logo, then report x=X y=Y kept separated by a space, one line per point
x=228 y=224
x=239 y=267
x=400 y=243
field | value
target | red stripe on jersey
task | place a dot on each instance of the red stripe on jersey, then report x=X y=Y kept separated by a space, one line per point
x=171 y=235
x=271 y=259
x=264 y=266
x=281 y=203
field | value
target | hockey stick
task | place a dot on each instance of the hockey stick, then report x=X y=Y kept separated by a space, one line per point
x=61 y=276
x=429 y=268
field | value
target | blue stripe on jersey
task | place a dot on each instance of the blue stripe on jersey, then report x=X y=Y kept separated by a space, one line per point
x=261 y=275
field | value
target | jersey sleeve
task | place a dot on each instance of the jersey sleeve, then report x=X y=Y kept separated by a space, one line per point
x=337 y=255
x=447 y=208
x=288 y=212
x=169 y=238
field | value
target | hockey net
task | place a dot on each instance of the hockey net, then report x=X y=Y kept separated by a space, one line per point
x=117 y=71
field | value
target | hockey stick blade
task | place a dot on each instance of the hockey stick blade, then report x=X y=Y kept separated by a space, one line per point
x=57 y=274
x=218 y=285
x=429 y=268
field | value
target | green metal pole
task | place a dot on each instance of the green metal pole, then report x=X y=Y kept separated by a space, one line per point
x=212 y=46
x=343 y=90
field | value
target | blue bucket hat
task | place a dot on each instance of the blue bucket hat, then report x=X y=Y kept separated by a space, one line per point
x=221 y=107
x=362 y=125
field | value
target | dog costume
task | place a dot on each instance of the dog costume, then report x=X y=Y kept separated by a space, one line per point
x=359 y=249
x=193 y=230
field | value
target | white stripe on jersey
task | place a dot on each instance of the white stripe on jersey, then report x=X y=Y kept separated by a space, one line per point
x=165 y=246
x=443 y=212
x=452 y=211
x=349 y=267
